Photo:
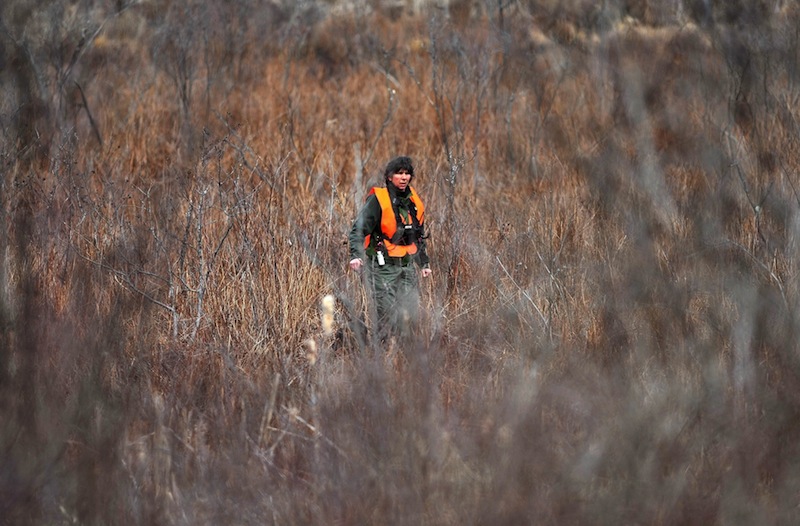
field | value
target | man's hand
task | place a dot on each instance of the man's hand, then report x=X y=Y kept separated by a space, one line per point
x=356 y=264
x=426 y=272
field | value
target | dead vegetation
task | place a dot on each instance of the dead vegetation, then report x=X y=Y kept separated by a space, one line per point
x=609 y=336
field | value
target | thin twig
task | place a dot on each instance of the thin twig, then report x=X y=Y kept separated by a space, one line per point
x=269 y=409
x=524 y=292
x=93 y=124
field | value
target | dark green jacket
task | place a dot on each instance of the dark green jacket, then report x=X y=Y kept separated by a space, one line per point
x=368 y=223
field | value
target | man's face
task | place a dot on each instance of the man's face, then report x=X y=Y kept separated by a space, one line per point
x=400 y=179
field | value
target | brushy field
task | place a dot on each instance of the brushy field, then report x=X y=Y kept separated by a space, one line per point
x=610 y=335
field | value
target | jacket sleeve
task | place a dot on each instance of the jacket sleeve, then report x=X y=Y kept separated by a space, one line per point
x=422 y=256
x=366 y=223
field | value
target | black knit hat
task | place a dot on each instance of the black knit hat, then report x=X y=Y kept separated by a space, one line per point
x=397 y=164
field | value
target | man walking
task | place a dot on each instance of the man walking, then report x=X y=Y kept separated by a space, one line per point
x=388 y=240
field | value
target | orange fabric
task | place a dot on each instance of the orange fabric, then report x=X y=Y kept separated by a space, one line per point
x=389 y=222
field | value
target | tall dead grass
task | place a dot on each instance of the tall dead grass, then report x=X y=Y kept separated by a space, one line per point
x=609 y=335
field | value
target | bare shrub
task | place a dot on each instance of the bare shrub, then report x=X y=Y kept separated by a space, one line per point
x=608 y=336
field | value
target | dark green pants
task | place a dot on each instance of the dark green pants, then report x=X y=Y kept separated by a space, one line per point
x=396 y=295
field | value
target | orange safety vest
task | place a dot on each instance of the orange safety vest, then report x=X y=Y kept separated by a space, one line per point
x=389 y=222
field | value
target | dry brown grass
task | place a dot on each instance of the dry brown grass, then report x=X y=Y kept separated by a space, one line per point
x=609 y=336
